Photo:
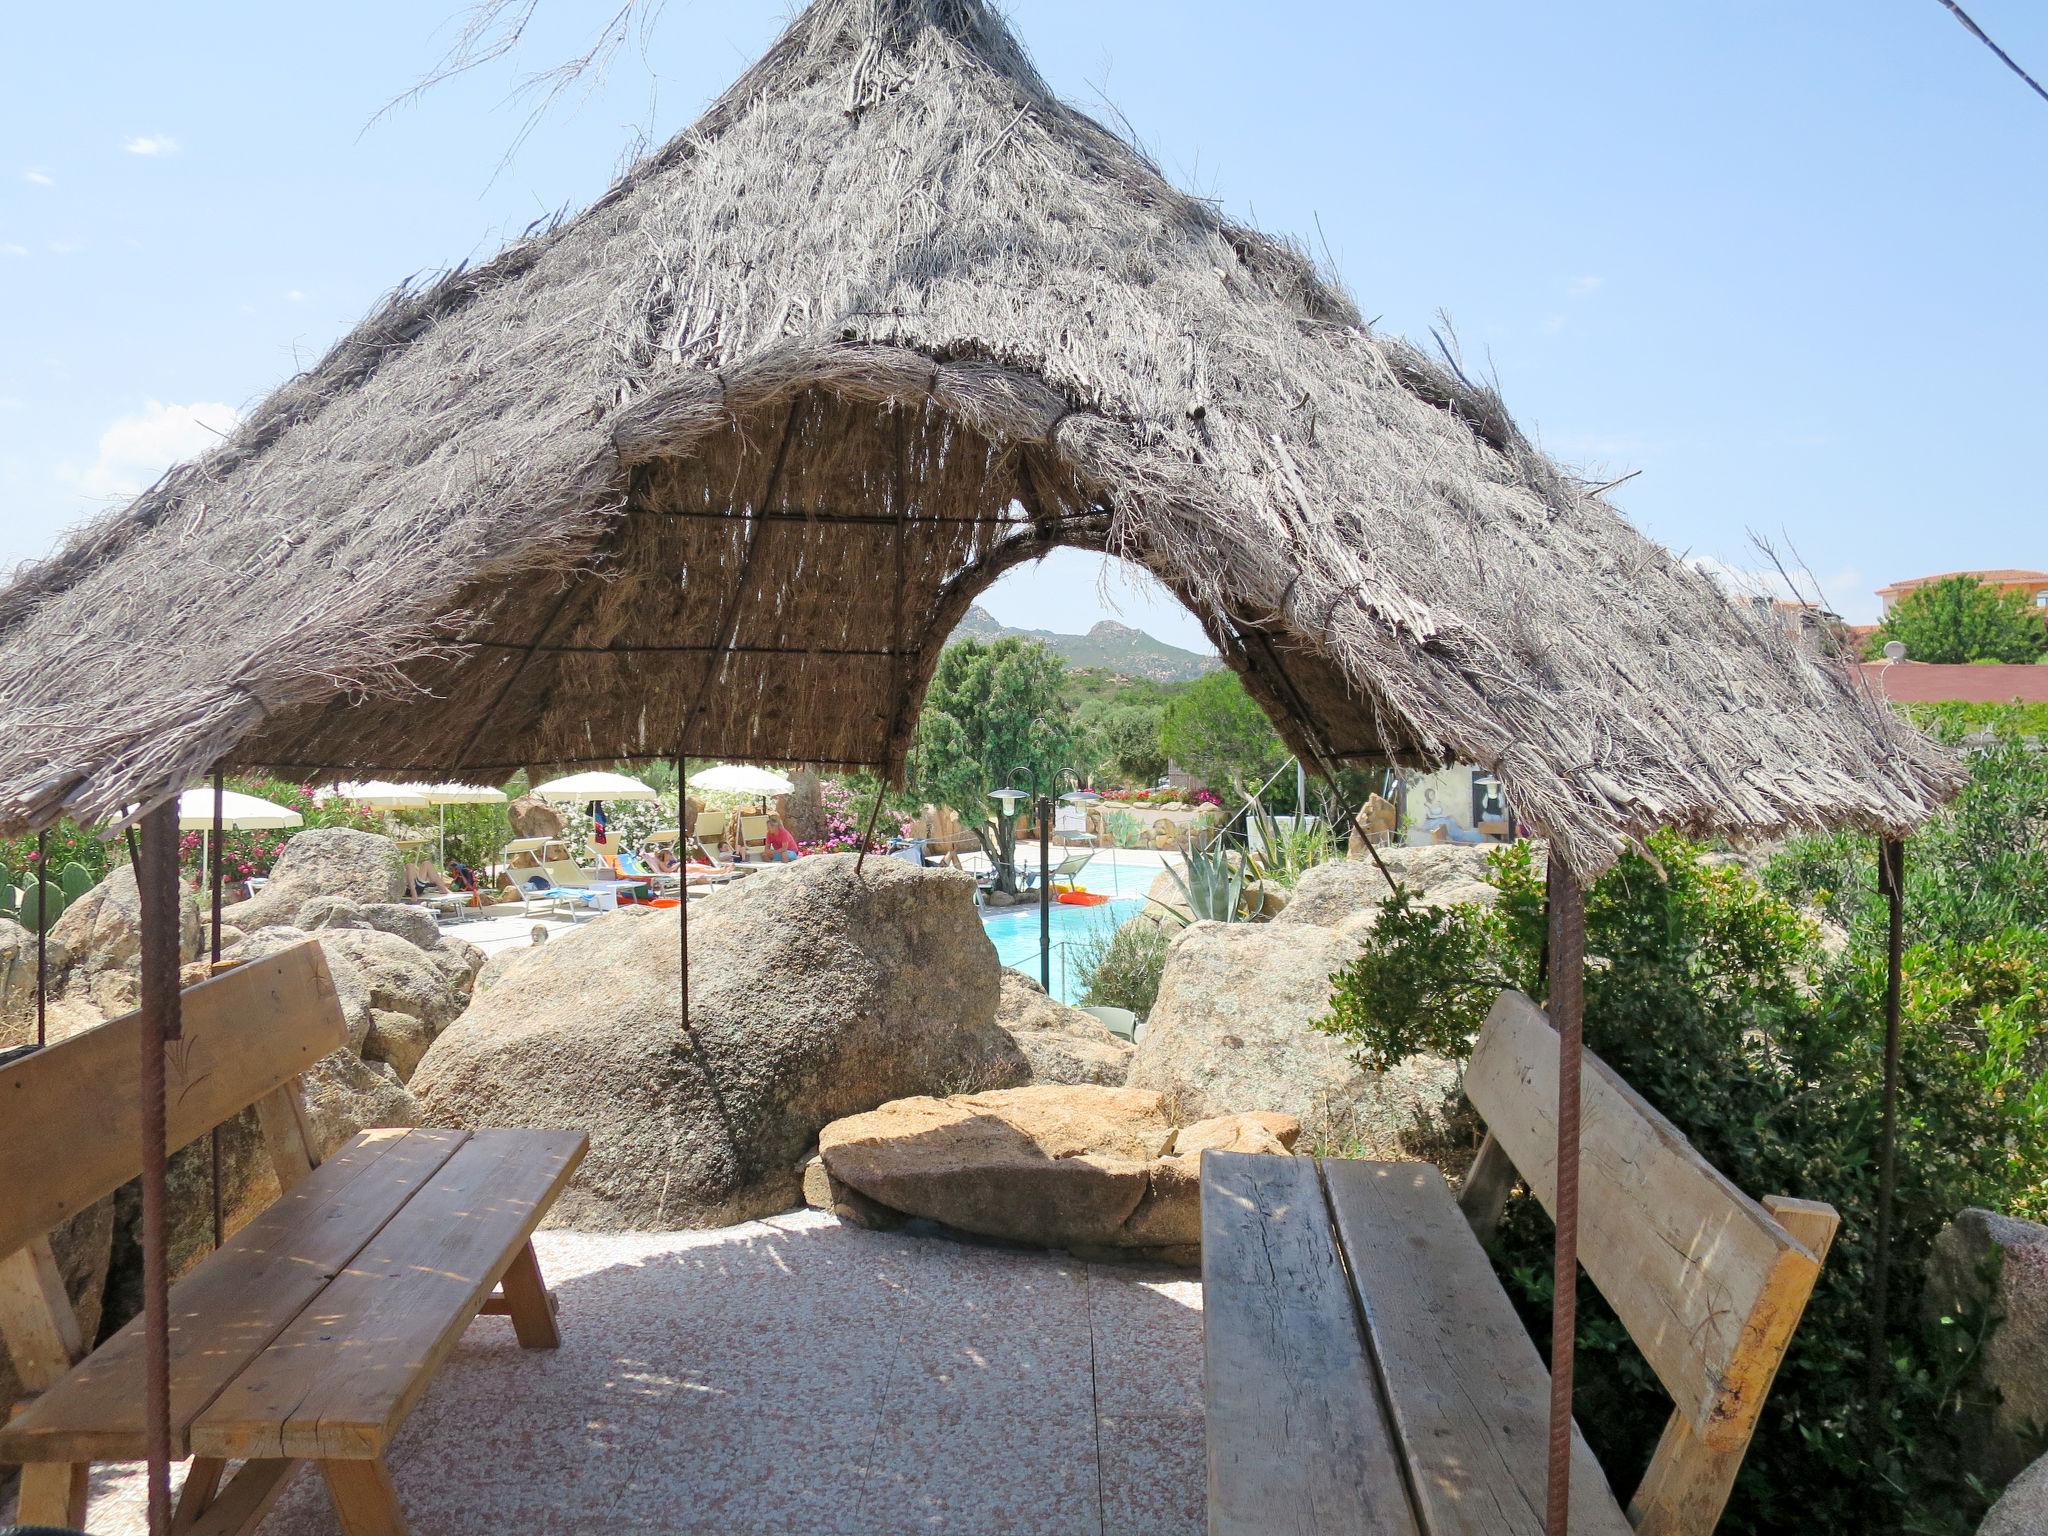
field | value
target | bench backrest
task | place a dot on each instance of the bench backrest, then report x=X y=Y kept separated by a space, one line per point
x=71 y=1115
x=1709 y=1283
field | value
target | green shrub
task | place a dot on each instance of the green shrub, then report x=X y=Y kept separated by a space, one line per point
x=1712 y=996
x=1120 y=966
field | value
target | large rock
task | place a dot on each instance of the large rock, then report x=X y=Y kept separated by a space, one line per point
x=1061 y=1044
x=379 y=974
x=345 y=1094
x=534 y=818
x=1988 y=1265
x=2022 y=1510
x=100 y=938
x=1233 y=1031
x=327 y=861
x=1051 y=1165
x=1439 y=874
x=815 y=993
x=1082 y=1167
x=18 y=969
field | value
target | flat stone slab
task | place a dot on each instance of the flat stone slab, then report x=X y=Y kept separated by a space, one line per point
x=799 y=1376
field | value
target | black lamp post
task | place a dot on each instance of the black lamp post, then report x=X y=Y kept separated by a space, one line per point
x=1008 y=799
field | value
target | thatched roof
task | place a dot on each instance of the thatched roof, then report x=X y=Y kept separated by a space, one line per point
x=721 y=461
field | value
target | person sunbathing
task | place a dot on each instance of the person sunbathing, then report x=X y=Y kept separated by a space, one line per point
x=662 y=859
x=422 y=879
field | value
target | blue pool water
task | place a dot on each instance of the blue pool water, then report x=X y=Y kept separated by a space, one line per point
x=1014 y=930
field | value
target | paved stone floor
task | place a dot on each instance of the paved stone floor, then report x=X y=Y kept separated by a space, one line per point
x=798 y=1376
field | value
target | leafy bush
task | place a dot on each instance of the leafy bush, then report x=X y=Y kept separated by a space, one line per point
x=1961 y=619
x=1712 y=996
x=1120 y=966
x=69 y=843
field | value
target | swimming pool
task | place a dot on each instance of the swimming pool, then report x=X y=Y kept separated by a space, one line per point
x=1014 y=930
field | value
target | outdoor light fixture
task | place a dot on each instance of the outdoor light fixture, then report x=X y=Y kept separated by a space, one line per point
x=1009 y=798
x=1079 y=797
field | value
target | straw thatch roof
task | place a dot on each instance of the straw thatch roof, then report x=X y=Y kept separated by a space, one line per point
x=721 y=461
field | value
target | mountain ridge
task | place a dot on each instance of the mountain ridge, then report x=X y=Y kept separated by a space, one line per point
x=1107 y=647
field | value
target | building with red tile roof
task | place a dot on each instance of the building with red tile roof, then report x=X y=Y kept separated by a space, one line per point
x=2031 y=584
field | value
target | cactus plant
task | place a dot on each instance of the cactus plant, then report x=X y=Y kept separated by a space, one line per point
x=40 y=908
x=10 y=896
x=76 y=880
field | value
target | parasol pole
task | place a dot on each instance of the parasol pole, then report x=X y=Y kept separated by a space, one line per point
x=157 y=883
x=1567 y=1002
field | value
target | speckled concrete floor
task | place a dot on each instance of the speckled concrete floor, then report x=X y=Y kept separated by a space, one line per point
x=798 y=1376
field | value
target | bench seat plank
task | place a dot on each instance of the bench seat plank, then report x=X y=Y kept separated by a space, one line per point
x=340 y=1380
x=1297 y=1442
x=1468 y=1392
x=234 y=1304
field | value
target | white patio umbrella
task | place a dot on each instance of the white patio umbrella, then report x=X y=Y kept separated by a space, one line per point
x=441 y=796
x=742 y=779
x=595 y=786
x=238 y=813
x=382 y=796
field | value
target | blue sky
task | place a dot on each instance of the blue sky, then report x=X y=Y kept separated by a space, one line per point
x=1785 y=260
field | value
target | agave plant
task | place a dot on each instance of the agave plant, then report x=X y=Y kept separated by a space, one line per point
x=1215 y=883
x=1284 y=855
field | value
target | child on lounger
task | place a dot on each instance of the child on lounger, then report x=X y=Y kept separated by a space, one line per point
x=777 y=846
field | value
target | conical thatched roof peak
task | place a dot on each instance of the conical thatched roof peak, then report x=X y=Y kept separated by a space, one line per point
x=719 y=462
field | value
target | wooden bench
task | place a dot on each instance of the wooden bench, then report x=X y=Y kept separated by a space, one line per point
x=315 y=1329
x=1365 y=1372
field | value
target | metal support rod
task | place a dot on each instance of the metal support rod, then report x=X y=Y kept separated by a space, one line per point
x=1567 y=1003
x=1045 y=892
x=220 y=789
x=684 y=838
x=157 y=888
x=42 y=938
x=1891 y=879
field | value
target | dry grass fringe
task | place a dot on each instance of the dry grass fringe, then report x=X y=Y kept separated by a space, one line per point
x=720 y=461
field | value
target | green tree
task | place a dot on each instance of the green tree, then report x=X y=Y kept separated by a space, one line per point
x=1219 y=734
x=992 y=718
x=1127 y=743
x=1960 y=619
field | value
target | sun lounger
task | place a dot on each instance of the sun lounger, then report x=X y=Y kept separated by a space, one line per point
x=1063 y=873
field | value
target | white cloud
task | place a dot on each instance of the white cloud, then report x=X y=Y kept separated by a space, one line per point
x=152 y=144
x=1553 y=324
x=136 y=449
x=39 y=178
x=295 y=296
x=1590 y=283
x=9 y=248
x=64 y=247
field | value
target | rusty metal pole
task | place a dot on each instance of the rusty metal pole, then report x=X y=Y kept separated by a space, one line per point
x=1891 y=879
x=157 y=887
x=1567 y=958
x=220 y=786
x=683 y=841
x=42 y=938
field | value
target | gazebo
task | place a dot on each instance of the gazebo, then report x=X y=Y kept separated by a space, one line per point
x=716 y=465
